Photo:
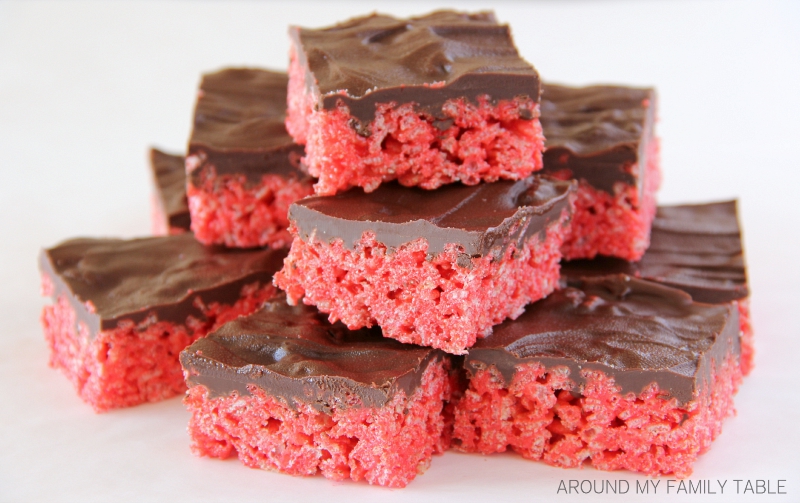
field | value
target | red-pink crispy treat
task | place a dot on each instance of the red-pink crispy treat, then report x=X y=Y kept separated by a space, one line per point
x=284 y=390
x=622 y=374
x=603 y=137
x=696 y=248
x=425 y=101
x=435 y=269
x=243 y=168
x=123 y=310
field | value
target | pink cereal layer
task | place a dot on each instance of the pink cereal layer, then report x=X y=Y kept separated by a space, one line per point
x=615 y=225
x=132 y=364
x=435 y=302
x=485 y=143
x=746 y=340
x=538 y=417
x=228 y=210
x=387 y=446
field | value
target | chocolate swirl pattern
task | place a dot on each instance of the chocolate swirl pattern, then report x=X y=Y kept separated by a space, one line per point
x=597 y=132
x=294 y=353
x=426 y=60
x=636 y=331
x=164 y=276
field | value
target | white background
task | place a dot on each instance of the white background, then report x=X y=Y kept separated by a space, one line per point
x=85 y=88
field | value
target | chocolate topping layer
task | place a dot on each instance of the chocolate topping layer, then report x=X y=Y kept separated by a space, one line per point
x=239 y=125
x=696 y=248
x=111 y=280
x=636 y=331
x=294 y=353
x=169 y=173
x=424 y=60
x=597 y=132
x=482 y=219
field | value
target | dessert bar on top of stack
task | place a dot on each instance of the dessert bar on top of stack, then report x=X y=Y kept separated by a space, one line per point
x=437 y=268
x=427 y=101
x=242 y=168
x=428 y=226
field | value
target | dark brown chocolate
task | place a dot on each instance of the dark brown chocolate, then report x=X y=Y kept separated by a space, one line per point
x=696 y=248
x=483 y=219
x=635 y=331
x=597 y=132
x=239 y=126
x=169 y=174
x=294 y=354
x=424 y=60
x=111 y=280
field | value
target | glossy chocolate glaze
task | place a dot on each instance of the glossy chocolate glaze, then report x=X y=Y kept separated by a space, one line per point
x=483 y=219
x=424 y=60
x=293 y=353
x=239 y=126
x=696 y=248
x=599 y=133
x=169 y=173
x=111 y=280
x=636 y=331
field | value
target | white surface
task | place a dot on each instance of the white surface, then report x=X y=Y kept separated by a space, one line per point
x=86 y=88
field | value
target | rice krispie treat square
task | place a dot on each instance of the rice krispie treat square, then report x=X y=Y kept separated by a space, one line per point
x=124 y=309
x=285 y=390
x=603 y=137
x=243 y=169
x=618 y=372
x=434 y=268
x=426 y=101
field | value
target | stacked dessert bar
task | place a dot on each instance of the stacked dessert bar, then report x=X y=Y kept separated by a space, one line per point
x=470 y=265
x=242 y=168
